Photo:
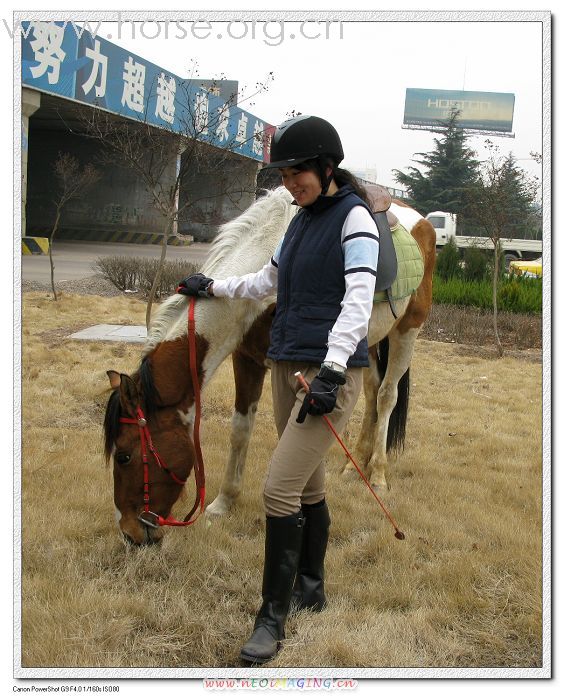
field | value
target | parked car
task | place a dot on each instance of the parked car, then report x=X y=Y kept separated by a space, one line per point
x=526 y=268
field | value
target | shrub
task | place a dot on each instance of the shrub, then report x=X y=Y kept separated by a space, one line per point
x=121 y=272
x=139 y=273
x=460 y=292
x=516 y=295
x=173 y=272
x=521 y=294
x=476 y=264
x=509 y=294
x=448 y=261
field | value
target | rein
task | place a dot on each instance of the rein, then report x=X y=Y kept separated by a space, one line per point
x=147 y=517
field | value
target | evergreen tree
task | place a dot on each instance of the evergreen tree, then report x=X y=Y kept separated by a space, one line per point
x=519 y=192
x=449 y=170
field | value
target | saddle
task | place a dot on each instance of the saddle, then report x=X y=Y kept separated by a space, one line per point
x=380 y=200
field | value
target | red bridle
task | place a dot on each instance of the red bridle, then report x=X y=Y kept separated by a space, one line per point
x=147 y=517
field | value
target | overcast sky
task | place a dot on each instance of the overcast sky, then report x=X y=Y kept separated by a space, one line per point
x=357 y=77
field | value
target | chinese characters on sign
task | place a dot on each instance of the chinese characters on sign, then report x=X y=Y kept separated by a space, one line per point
x=47 y=46
x=133 y=95
x=99 y=62
x=166 y=91
x=66 y=60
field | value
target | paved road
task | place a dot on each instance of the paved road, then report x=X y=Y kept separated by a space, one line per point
x=74 y=259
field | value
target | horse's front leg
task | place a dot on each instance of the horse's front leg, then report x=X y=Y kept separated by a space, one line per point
x=249 y=380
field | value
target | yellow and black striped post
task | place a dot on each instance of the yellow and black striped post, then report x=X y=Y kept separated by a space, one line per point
x=35 y=246
x=105 y=236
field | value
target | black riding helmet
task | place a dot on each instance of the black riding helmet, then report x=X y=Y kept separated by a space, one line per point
x=303 y=138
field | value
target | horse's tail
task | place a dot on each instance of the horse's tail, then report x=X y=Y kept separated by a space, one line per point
x=398 y=419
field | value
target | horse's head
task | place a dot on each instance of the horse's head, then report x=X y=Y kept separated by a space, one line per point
x=153 y=454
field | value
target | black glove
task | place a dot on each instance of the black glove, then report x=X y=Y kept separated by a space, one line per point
x=195 y=286
x=322 y=395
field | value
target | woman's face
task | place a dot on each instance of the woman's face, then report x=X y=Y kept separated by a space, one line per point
x=303 y=185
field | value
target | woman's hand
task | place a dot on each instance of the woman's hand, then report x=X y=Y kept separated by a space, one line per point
x=322 y=395
x=197 y=285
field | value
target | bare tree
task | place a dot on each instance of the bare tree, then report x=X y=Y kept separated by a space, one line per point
x=501 y=201
x=149 y=151
x=72 y=181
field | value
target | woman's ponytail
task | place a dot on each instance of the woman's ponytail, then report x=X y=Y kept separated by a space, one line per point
x=344 y=177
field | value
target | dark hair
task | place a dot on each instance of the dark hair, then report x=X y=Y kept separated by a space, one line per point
x=340 y=175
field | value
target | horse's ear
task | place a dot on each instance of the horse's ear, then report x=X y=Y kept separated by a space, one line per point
x=115 y=378
x=128 y=394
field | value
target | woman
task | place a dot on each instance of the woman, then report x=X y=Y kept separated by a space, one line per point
x=324 y=273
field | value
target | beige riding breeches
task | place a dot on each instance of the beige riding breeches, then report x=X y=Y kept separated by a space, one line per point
x=296 y=473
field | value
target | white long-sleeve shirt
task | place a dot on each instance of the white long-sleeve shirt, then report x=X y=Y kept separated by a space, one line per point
x=359 y=239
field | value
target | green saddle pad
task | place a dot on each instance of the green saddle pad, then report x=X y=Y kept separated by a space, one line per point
x=410 y=265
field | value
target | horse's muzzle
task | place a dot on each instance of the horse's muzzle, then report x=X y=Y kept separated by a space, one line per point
x=151 y=535
x=148 y=519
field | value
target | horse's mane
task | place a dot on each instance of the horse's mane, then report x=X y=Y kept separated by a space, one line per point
x=149 y=397
x=268 y=212
x=111 y=423
x=241 y=246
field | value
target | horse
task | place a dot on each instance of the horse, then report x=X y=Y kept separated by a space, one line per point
x=162 y=388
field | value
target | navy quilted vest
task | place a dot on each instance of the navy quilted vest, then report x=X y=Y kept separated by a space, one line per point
x=311 y=282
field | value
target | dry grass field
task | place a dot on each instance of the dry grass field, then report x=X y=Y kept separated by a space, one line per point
x=463 y=590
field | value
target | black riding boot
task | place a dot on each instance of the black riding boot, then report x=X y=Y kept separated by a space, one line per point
x=281 y=554
x=308 y=589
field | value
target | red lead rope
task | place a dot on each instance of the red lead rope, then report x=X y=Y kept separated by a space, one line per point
x=199 y=472
x=399 y=534
x=146 y=442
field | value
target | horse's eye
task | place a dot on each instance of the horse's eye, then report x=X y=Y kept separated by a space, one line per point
x=122 y=458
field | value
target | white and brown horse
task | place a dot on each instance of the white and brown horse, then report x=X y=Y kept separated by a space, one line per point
x=163 y=386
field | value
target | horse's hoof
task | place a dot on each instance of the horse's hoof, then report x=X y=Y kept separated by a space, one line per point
x=217 y=508
x=350 y=475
